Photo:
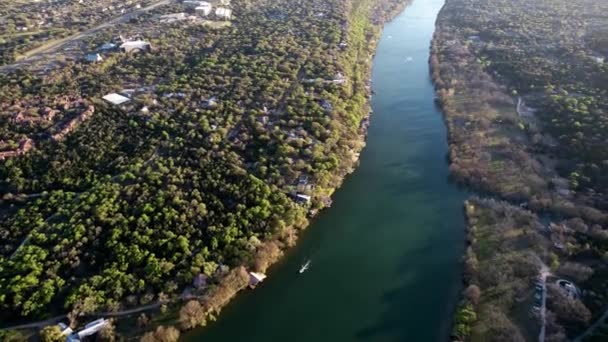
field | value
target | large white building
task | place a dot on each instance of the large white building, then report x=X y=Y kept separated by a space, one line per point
x=204 y=8
x=135 y=46
x=116 y=99
x=224 y=13
x=170 y=18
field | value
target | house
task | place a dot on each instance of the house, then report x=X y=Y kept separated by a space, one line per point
x=203 y=9
x=302 y=199
x=303 y=180
x=200 y=281
x=93 y=327
x=255 y=278
x=210 y=102
x=90 y=329
x=135 y=46
x=326 y=105
x=304 y=185
x=93 y=58
x=116 y=99
x=223 y=13
x=65 y=330
x=171 y=18
x=194 y=3
x=263 y=119
x=339 y=79
x=107 y=47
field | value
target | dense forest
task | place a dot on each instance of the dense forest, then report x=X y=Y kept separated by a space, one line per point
x=523 y=85
x=119 y=206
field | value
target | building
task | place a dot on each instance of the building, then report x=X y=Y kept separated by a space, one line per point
x=116 y=99
x=200 y=281
x=301 y=198
x=65 y=330
x=210 y=102
x=263 y=119
x=135 y=46
x=194 y=3
x=256 y=278
x=223 y=13
x=340 y=79
x=204 y=8
x=171 y=18
x=93 y=327
x=326 y=105
x=93 y=58
x=107 y=47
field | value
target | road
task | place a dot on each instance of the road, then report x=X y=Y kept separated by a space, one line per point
x=56 y=319
x=54 y=46
x=545 y=271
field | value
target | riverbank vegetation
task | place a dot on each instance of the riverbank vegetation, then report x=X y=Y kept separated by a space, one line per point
x=175 y=196
x=523 y=87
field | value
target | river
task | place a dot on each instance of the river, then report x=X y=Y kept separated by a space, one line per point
x=386 y=256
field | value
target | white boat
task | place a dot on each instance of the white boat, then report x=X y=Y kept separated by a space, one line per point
x=304 y=267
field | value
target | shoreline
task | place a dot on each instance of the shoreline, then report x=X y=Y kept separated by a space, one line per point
x=311 y=215
x=285 y=242
x=524 y=185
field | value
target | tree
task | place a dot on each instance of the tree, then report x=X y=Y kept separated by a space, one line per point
x=500 y=328
x=472 y=293
x=162 y=334
x=51 y=333
x=107 y=334
x=578 y=272
x=567 y=310
x=12 y=336
x=192 y=315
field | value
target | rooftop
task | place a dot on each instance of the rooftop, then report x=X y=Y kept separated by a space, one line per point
x=116 y=99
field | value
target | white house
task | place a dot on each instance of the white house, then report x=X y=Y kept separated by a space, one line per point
x=107 y=46
x=170 y=18
x=256 y=278
x=93 y=58
x=93 y=327
x=223 y=13
x=116 y=99
x=65 y=330
x=193 y=2
x=204 y=8
x=301 y=198
x=135 y=46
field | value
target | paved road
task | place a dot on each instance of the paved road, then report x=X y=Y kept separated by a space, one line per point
x=544 y=273
x=56 y=319
x=55 y=46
